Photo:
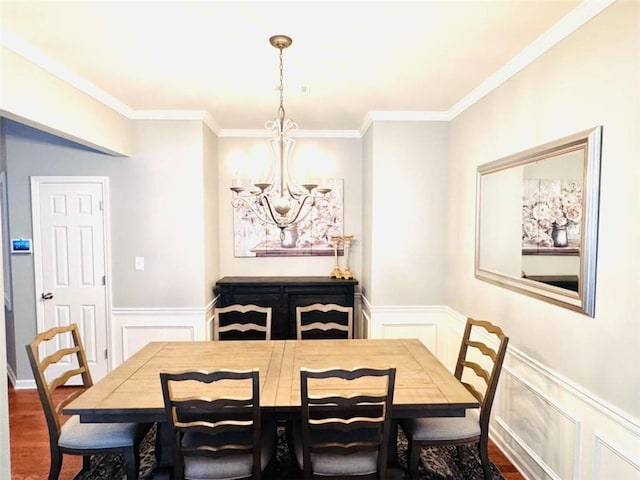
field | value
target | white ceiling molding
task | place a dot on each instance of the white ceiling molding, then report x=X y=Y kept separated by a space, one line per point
x=402 y=116
x=210 y=122
x=201 y=115
x=569 y=24
x=20 y=47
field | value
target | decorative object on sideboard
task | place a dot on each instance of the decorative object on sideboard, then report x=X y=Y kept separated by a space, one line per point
x=346 y=273
x=336 y=272
x=280 y=201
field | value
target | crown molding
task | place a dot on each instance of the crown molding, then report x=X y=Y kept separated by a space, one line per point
x=401 y=116
x=17 y=45
x=201 y=115
x=567 y=25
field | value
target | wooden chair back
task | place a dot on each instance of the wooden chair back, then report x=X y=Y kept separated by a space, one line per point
x=69 y=351
x=324 y=321
x=346 y=422
x=472 y=342
x=218 y=411
x=235 y=322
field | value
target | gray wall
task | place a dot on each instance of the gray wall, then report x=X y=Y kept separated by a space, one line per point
x=157 y=211
x=158 y=197
x=32 y=152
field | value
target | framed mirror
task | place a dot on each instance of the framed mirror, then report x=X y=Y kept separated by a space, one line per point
x=537 y=221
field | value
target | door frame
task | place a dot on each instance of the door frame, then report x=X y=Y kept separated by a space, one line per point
x=38 y=180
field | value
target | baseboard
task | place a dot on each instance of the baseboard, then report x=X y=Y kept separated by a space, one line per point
x=18 y=384
x=549 y=427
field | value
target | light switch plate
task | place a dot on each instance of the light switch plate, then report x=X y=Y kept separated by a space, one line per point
x=139 y=262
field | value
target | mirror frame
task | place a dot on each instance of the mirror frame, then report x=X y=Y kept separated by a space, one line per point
x=584 y=299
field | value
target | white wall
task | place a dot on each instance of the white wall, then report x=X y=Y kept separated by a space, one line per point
x=591 y=78
x=407 y=231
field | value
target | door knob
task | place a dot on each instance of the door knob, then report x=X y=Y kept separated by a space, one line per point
x=47 y=296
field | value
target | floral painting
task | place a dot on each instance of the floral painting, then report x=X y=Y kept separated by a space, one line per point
x=310 y=236
x=549 y=205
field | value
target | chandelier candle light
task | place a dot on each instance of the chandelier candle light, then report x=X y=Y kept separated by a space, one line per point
x=280 y=201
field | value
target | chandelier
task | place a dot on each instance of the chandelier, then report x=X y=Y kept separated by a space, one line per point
x=279 y=201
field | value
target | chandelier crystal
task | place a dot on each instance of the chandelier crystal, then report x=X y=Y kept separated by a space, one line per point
x=279 y=201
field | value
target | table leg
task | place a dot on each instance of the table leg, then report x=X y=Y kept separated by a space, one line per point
x=164 y=455
x=392 y=450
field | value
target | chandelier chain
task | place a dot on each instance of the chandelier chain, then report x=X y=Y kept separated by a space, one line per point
x=281 y=113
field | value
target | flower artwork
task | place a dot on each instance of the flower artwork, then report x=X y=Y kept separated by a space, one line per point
x=310 y=236
x=549 y=205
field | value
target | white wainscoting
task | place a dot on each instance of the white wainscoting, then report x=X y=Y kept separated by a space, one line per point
x=133 y=328
x=549 y=427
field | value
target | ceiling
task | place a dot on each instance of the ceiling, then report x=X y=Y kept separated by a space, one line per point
x=347 y=58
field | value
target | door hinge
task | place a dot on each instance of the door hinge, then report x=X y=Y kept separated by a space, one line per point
x=100 y=207
x=106 y=354
x=104 y=279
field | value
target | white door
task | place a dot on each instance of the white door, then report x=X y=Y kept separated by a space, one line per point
x=70 y=260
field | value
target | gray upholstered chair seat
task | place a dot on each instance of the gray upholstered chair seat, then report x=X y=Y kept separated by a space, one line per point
x=228 y=467
x=442 y=428
x=76 y=435
x=360 y=463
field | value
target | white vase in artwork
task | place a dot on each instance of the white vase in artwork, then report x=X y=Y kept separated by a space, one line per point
x=559 y=236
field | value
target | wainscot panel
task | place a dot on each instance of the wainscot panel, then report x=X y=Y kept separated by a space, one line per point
x=133 y=328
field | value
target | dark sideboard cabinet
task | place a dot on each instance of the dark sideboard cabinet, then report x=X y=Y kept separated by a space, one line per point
x=283 y=295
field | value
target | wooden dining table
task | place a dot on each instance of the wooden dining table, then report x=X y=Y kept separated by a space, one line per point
x=132 y=393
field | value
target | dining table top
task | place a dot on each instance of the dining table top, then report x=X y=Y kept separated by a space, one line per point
x=132 y=391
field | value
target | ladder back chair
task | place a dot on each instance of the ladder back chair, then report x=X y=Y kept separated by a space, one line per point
x=242 y=322
x=346 y=434
x=479 y=360
x=320 y=320
x=214 y=419
x=72 y=437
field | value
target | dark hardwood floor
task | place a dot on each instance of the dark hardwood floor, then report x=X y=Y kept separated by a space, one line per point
x=30 y=442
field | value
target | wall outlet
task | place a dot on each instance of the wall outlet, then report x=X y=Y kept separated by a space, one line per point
x=139 y=262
